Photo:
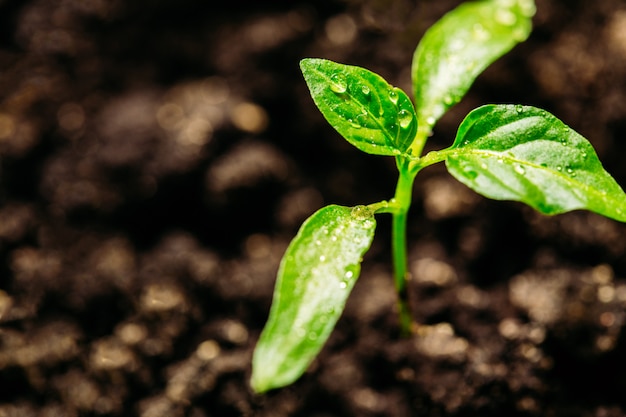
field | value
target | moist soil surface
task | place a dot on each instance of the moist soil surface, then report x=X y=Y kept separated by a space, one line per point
x=157 y=158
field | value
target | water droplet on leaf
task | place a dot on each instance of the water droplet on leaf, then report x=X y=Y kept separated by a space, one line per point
x=519 y=34
x=519 y=108
x=361 y=212
x=505 y=17
x=520 y=169
x=354 y=123
x=361 y=119
x=405 y=118
x=322 y=258
x=349 y=274
x=527 y=7
x=393 y=96
x=368 y=224
x=480 y=33
x=338 y=83
x=365 y=90
x=457 y=44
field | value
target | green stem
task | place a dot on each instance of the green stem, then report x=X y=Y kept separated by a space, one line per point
x=402 y=199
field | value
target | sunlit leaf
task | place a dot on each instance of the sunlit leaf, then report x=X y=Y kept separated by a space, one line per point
x=526 y=154
x=368 y=112
x=315 y=278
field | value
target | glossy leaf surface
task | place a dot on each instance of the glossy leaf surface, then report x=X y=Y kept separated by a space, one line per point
x=526 y=154
x=314 y=280
x=456 y=49
x=368 y=112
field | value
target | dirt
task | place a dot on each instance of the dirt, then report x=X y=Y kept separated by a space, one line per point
x=157 y=157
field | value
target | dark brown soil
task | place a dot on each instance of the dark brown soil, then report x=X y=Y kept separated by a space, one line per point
x=157 y=157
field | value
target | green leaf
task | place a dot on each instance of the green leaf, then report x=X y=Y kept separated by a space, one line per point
x=314 y=280
x=526 y=154
x=457 y=48
x=368 y=112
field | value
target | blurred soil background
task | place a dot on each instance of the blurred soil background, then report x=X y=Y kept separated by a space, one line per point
x=158 y=156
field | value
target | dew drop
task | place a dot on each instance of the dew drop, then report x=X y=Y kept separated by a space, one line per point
x=393 y=96
x=368 y=224
x=520 y=169
x=405 y=118
x=430 y=120
x=355 y=123
x=559 y=168
x=318 y=242
x=527 y=7
x=322 y=258
x=457 y=45
x=361 y=212
x=569 y=170
x=480 y=33
x=584 y=154
x=312 y=336
x=505 y=17
x=349 y=274
x=343 y=285
x=483 y=165
x=333 y=238
x=519 y=108
x=519 y=34
x=448 y=100
x=365 y=90
x=338 y=83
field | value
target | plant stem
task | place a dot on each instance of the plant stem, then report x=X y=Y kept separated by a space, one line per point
x=404 y=189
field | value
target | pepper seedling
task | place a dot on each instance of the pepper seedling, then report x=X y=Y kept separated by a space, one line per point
x=502 y=151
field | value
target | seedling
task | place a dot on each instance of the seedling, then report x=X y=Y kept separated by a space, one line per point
x=502 y=151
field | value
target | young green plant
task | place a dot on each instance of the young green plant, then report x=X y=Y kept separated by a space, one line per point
x=504 y=152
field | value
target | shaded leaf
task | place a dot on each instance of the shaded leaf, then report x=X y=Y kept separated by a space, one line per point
x=368 y=112
x=526 y=154
x=315 y=278
x=456 y=49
